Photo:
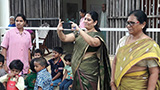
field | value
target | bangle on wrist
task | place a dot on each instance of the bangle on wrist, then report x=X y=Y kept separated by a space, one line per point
x=79 y=30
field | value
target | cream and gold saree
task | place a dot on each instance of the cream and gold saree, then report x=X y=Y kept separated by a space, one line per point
x=128 y=56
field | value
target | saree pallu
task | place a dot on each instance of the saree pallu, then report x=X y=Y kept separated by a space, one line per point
x=88 y=70
x=128 y=56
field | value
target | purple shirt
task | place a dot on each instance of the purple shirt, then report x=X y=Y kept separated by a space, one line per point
x=17 y=46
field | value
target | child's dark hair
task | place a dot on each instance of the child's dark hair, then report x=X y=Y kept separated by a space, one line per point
x=42 y=61
x=2 y=86
x=38 y=51
x=58 y=49
x=16 y=64
x=32 y=65
x=68 y=57
x=2 y=59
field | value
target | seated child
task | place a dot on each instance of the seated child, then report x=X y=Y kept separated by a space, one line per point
x=44 y=78
x=2 y=71
x=57 y=66
x=38 y=53
x=13 y=79
x=30 y=79
x=68 y=77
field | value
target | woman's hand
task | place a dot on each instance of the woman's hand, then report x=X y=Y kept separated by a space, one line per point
x=60 y=26
x=74 y=26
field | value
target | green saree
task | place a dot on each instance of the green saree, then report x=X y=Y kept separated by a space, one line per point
x=87 y=71
x=128 y=56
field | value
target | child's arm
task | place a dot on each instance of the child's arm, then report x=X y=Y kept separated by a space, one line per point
x=65 y=74
x=20 y=83
x=56 y=76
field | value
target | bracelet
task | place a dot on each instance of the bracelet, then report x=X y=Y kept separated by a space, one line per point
x=79 y=30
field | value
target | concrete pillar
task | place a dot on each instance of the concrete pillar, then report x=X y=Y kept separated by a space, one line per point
x=4 y=15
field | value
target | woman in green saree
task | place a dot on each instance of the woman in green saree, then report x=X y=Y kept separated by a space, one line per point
x=137 y=60
x=90 y=62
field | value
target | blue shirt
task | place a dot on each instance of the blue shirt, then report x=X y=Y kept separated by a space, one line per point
x=11 y=25
x=44 y=79
x=55 y=68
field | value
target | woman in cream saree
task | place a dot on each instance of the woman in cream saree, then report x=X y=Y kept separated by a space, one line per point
x=137 y=61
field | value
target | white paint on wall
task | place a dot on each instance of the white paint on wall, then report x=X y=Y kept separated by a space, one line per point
x=4 y=15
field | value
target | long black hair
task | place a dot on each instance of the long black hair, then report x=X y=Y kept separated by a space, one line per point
x=141 y=17
x=94 y=16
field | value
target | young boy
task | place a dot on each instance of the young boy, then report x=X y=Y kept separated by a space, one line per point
x=13 y=79
x=30 y=79
x=38 y=53
x=68 y=77
x=44 y=78
x=57 y=66
x=2 y=71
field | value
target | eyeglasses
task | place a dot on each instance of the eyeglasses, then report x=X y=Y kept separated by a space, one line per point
x=131 y=23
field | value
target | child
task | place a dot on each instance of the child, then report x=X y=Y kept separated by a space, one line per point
x=57 y=66
x=44 y=78
x=31 y=77
x=68 y=77
x=13 y=79
x=38 y=53
x=2 y=71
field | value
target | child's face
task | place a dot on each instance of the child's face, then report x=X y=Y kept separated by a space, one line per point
x=37 y=55
x=15 y=71
x=68 y=63
x=56 y=55
x=38 y=67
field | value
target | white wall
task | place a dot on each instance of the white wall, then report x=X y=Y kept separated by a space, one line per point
x=4 y=14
